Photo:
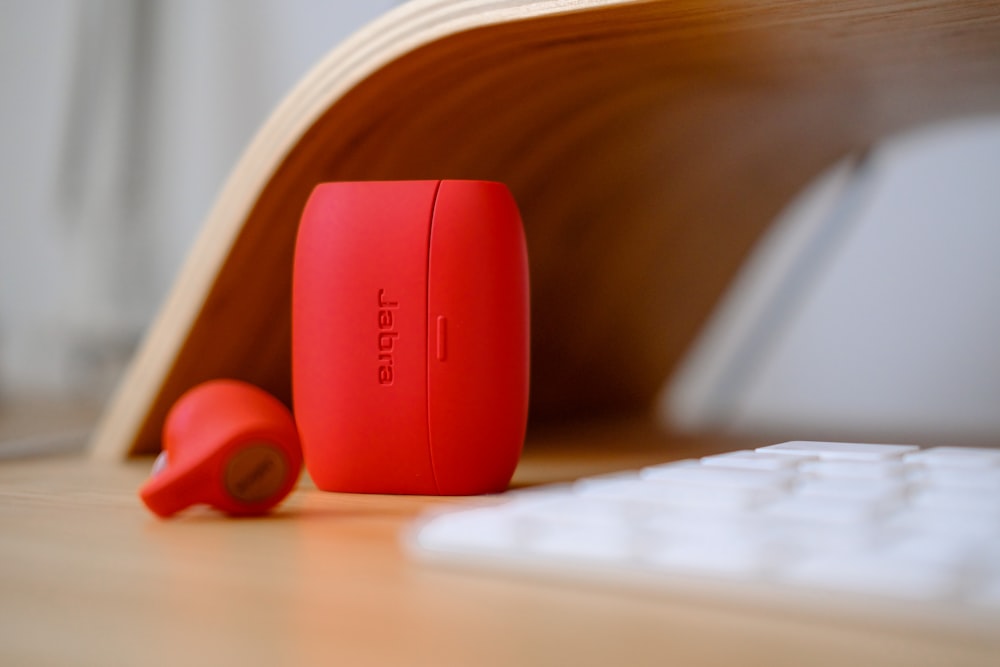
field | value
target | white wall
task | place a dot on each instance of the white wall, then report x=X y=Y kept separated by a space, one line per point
x=872 y=310
x=119 y=121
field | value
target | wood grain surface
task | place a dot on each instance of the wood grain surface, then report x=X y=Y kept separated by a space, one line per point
x=649 y=145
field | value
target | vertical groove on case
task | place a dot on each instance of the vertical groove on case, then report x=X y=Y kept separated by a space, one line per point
x=427 y=355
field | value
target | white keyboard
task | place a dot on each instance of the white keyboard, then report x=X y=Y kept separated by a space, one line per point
x=853 y=529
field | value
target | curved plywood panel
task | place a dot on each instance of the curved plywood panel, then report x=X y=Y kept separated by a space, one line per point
x=648 y=144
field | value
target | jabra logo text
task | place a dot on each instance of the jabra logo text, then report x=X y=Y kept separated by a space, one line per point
x=387 y=335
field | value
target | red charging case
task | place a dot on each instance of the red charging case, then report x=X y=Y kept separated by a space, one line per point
x=410 y=326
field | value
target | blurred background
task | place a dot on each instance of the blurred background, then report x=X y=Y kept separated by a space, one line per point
x=119 y=123
x=871 y=309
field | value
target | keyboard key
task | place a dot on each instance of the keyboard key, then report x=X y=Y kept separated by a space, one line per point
x=952 y=553
x=719 y=527
x=579 y=543
x=824 y=510
x=569 y=509
x=886 y=469
x=751 y=460
x=694 y=496
x=874 y=575
x=853 y=489
x=984 y=479
x=946 y=524
x=690 y=556
x=958 y=457
x=958 y=498
x=845 y=451
x=717 y=477
x=803 y=538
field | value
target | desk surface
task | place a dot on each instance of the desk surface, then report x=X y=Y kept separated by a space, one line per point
x=89 y=577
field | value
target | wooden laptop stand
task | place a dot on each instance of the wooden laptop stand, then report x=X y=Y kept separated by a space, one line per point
x=648 y=144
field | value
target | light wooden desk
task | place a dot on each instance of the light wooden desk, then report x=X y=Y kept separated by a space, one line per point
x=87 y=576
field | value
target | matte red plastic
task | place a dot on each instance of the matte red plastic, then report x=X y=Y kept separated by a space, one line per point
x=394 y=394
x=204 y=429
x=477 y=359
x=359 y=313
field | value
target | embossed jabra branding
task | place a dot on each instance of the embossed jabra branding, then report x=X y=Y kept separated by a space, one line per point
x=387 y=335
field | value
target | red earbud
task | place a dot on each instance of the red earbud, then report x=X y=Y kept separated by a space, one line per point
x=227 y=444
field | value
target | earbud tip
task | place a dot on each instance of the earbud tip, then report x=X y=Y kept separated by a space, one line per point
x=170 y=488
